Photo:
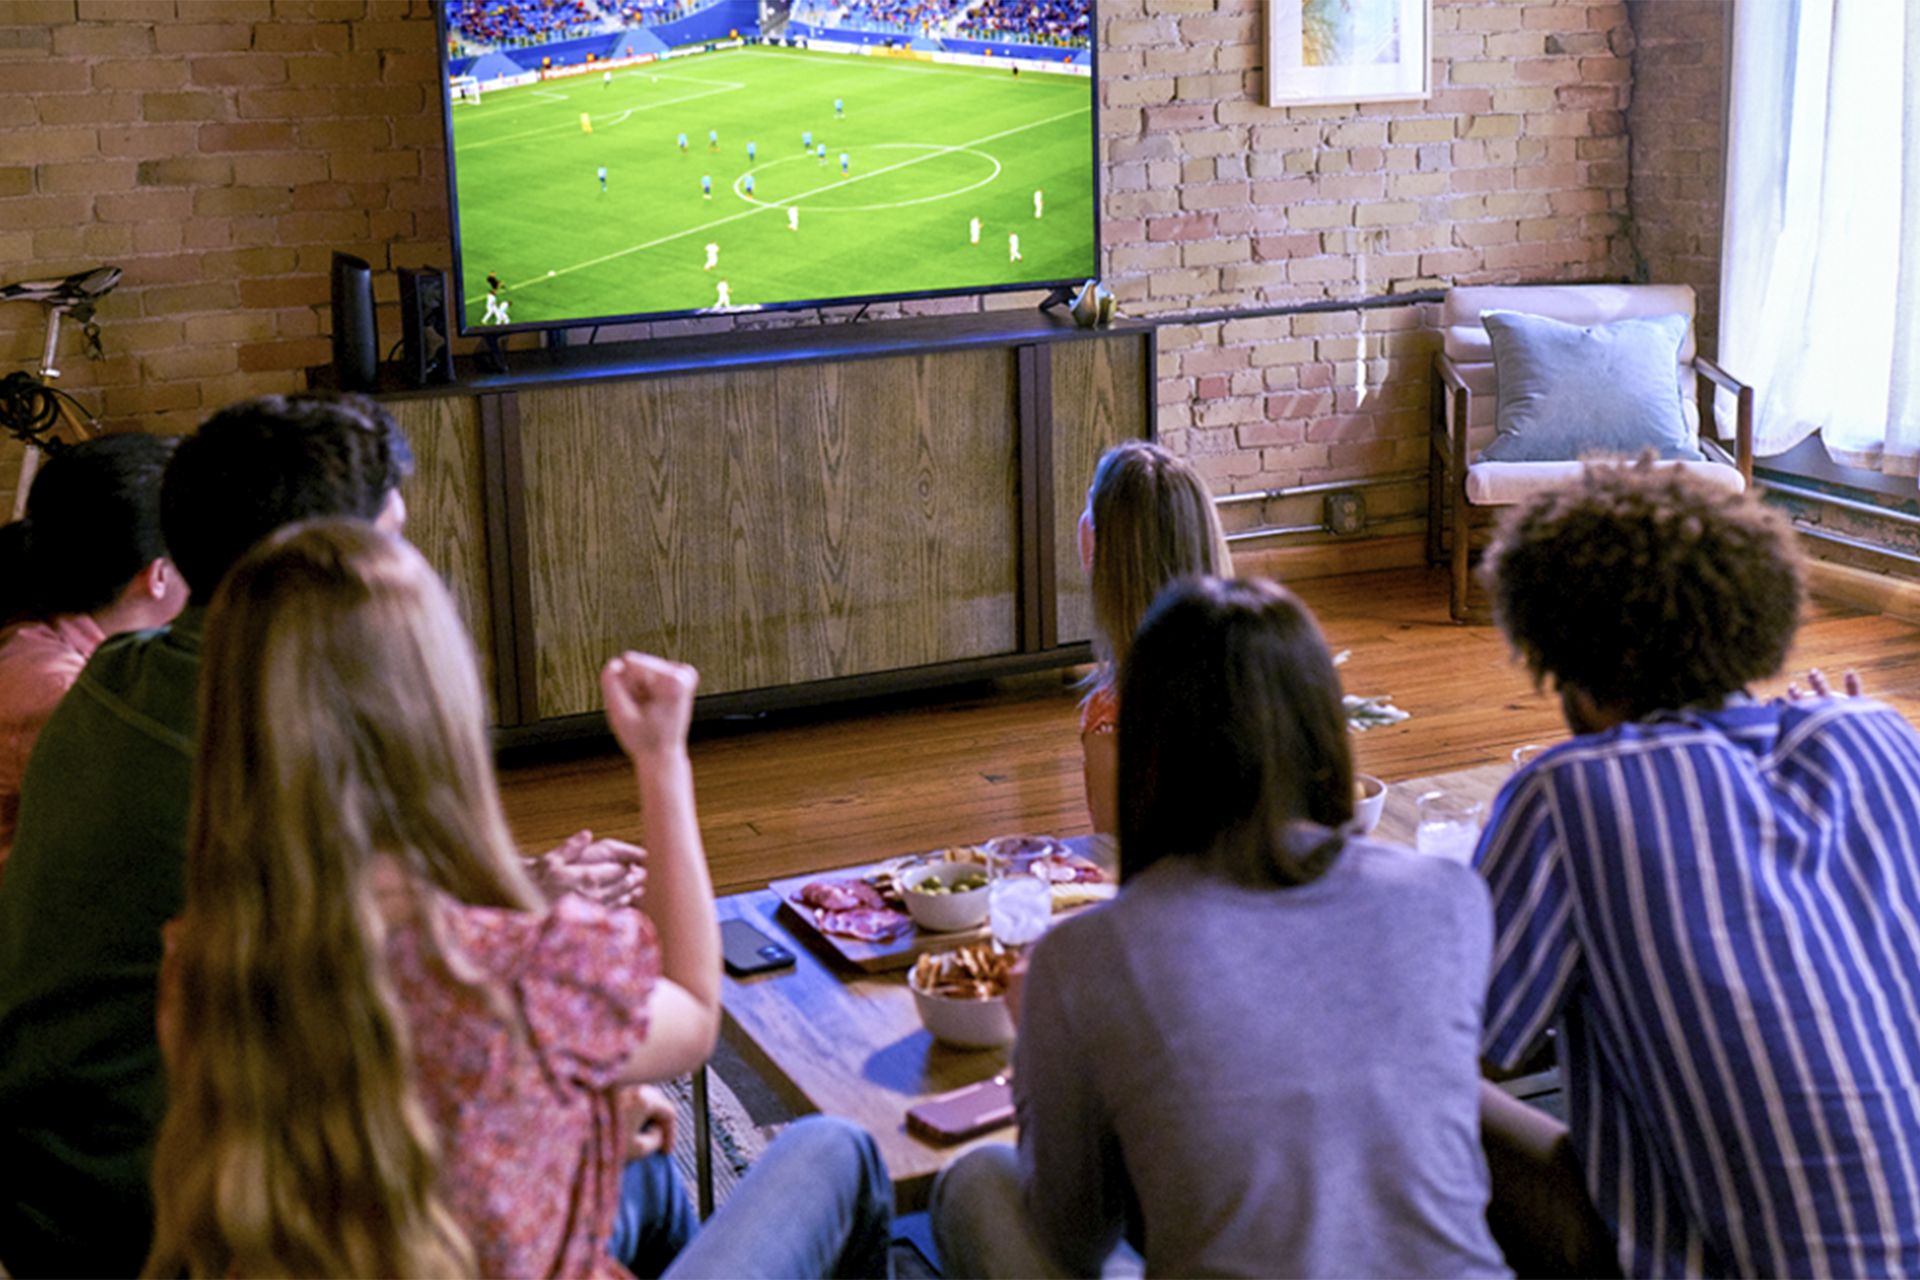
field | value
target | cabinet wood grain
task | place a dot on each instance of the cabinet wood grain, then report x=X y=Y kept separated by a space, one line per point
x=776 y=526
x=1097 y=403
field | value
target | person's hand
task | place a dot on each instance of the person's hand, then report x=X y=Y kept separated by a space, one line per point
x=1817 y=686
x=612 y=873
x=649 y=703
x=650 y=1118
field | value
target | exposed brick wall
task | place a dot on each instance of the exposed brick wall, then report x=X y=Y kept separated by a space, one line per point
x=220 y=150
x=1678 y=128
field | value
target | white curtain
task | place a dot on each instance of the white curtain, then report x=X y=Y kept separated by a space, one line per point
x=1820 y=269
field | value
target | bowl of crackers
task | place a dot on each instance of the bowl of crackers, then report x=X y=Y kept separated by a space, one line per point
x=962 y=995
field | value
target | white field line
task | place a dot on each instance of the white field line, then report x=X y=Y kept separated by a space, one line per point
x=611 y=118
x=915 y=69
x=764 y=206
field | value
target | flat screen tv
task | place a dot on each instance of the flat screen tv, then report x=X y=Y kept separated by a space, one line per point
x=636 y=159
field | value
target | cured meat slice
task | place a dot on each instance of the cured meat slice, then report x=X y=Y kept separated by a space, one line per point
x=840 y=895
x=867 y=924
x=1071 y=868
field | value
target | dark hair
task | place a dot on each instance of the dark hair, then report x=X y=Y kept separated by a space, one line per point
x=1233 y=735
x=1646 y=590
x=266 y=462
x=92 y=523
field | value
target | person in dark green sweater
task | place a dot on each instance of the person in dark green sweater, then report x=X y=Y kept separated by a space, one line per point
x=96 y=864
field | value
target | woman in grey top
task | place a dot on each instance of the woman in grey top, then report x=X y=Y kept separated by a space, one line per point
x=1261 y=1058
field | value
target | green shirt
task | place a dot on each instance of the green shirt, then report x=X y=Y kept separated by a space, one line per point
x=97 y=868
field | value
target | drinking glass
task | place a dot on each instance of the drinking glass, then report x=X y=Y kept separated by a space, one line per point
x=1449 y=826
x=1019 y=898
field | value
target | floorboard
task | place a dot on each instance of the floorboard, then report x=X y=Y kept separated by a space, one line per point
x=781 y=795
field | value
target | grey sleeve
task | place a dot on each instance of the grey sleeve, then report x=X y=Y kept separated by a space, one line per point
x=1071 y=1176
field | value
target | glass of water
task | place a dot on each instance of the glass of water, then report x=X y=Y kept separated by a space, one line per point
x=1019 y=898
x=1449 y=826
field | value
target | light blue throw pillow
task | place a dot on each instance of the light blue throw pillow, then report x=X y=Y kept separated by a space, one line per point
x=1568 y=391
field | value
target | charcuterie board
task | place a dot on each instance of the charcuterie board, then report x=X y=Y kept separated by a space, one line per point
x=901 y=951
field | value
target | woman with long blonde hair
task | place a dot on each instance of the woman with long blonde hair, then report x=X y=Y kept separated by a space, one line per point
x=1149 y=519
x=389 y=1054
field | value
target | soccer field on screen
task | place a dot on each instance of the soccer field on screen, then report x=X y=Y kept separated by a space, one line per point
x=929 y=147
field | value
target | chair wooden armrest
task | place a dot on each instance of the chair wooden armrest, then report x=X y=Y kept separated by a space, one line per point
x=1712 y=380
x=1452 y=410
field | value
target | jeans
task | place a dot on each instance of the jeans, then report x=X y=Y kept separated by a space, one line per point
x=819 y=1203
x=981 y=1227
x=655 y=1219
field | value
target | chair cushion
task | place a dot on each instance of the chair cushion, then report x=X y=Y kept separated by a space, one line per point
x=1499 y=484
x=1567 y=390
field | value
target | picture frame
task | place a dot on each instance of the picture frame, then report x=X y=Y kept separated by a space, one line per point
x=1325 y=52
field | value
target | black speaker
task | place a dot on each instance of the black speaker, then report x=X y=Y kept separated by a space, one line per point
x=356 y=337
x=425 y=354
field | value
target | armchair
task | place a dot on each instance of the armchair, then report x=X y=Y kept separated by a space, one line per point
x=1465 y=393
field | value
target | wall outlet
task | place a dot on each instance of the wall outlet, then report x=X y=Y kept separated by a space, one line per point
x=1346 y=512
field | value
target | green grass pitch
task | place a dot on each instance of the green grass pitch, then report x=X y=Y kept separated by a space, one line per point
x=931 y=147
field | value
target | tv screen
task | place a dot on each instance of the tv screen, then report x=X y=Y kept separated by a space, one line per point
x=628 y=159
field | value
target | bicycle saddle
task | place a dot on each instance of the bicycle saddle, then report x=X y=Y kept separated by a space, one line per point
x=78 y=289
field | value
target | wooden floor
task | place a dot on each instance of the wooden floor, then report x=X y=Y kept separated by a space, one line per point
x=803 y=792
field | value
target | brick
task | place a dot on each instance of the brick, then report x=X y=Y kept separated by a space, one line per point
x=16 y=180
x=162 y=108
x=37 y=12
x=30 y=40
x=146 y=141
x=186 y=171
x=337 y=69
x=138 y=73
x=89 y=108
x=30 y=212
x=46 y=77
x=190 y=362
x=301 y=37
x=1405 y=131
x=248 y=136
x=105 y=39
x=285 y=169
x=203 y=37
x=85 y=176
x=120 y=10
x=175 y=300
x=239 y=69
x=231 y=201
x=30 y=145
x=222 y=10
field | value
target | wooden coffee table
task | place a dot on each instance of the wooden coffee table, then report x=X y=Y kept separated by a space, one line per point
x=829 y=1038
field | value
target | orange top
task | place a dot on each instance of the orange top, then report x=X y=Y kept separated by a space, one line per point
x=39 y=661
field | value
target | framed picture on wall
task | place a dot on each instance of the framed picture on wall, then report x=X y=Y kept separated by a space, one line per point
x=1323 y=52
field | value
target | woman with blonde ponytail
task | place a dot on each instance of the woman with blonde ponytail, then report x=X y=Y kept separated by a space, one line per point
x=389 y=1055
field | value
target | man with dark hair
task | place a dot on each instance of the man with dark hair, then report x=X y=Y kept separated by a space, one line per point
x=97 y=858
x=1716 y=900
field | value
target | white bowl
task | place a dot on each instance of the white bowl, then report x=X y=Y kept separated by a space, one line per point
x=944 y=912
x=1370 y=800
x=967 y=1024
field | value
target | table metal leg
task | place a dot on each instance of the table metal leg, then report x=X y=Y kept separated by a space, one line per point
x=703 y=1142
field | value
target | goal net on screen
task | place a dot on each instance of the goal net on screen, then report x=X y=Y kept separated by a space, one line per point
x=464 y=89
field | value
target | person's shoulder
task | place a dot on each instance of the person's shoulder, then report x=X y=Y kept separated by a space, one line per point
x=1394 y=868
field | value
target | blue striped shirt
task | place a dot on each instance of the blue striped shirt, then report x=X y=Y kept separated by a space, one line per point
x=1721 y=911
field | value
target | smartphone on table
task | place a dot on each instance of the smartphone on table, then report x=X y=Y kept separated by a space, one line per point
x=965 y=1112
x=748 y=951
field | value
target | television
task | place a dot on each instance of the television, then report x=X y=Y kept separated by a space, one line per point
x=621 y=160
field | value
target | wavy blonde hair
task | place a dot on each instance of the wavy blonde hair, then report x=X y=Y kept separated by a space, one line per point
x=1153 y=522
x=341 y=728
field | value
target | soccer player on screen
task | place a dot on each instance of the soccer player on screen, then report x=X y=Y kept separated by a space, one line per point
x=606 y=80
x=496 y=305
x=706 y=186
x=750 y=152
x=839 y=108
x=713 y=256
x=822 y=153
x=725 y=298
x=1038 y=204
x=973 y=231
x=806 y=140
x=845 y=160
x=1013 y=247
x=793 y=217
x=683 y=144
x=748 y=184
x=713 y=139
x=603 y=179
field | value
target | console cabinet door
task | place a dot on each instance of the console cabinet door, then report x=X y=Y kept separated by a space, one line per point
x=772 y=526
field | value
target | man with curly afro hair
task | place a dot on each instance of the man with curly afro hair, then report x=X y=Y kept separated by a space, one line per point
x=1716 y=900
